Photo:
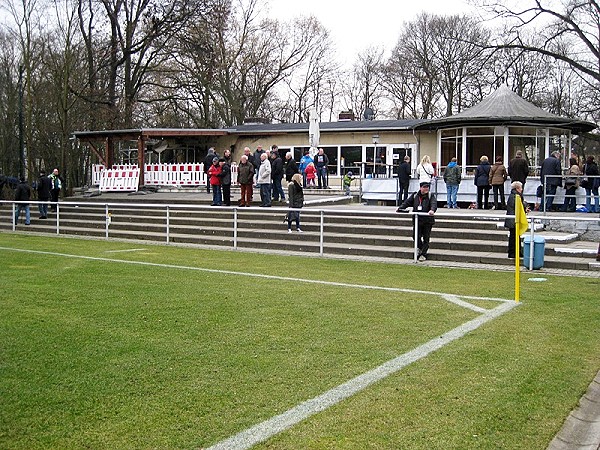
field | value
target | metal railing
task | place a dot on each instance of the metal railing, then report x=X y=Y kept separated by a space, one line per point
x=545 y=195
x=321 y=213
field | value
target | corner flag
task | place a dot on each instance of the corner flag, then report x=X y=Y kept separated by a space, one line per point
x=521 y=218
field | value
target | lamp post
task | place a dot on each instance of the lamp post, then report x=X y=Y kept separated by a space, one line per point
x=375 y=142
x=21 y=127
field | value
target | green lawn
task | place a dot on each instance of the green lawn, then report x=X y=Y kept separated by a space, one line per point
x=100 y=354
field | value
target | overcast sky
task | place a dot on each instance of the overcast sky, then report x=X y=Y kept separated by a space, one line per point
x=356 y=25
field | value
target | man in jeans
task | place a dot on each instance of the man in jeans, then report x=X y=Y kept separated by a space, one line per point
x=551 y=166
x=452 y=177
x=321 y=162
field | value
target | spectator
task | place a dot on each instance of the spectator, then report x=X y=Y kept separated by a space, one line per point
x=518 y=168
x=321 y=161
x=591 y=185
x=425 y=170
x=482 y=181
x=511 y=207
x=291 y=168
x=245 y=179
x=404 y=178
x=263 y=180
x=213 y=172
x=208 y=162
x=296 y=199
x=497 y=177
x=550 y=177
x=422 y=202
x=452 y=178
x=56 y=187
x=22 y=194
x=225 y=177
x=304 y=162
x=257 y=158
x=277 y=173
x=571 y=185
x=311 y=174
x=227 y=156
x=347 y=182
x=43 y=189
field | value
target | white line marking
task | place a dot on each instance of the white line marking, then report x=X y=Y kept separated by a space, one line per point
x=126 y=250
x=258 y=275
x=264 y=430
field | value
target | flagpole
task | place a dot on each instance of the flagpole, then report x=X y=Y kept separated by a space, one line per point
x=517 y=247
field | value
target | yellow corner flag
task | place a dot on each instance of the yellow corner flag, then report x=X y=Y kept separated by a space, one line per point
x=521 y=218
x=520 y=228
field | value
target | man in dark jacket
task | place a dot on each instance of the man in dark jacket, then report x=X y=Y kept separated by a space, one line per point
x=551 y=166
x=22 y=194
x=518 y=168
x=277 y=176
x=43 y=189
x=290 y=166
x=422 y=202
x=321 y=161
x=225 y=177
x=404 y=178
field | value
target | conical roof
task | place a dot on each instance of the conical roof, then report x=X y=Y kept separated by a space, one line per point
x=504 y=107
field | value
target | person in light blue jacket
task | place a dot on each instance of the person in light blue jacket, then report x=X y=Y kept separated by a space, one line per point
x=304 y=162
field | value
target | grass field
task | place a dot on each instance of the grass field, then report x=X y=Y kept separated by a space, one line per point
x=121 y=345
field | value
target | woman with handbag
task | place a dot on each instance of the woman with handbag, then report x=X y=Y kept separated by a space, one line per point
x=571 y=185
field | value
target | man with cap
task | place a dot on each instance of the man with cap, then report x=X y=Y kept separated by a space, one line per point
x=424 y=204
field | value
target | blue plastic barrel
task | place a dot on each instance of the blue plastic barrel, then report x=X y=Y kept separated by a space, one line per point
x=539 y=247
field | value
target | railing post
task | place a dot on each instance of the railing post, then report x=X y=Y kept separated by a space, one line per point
x=416 y=231
x=168 y=224
x=14 y=215
x=321 y=234
x=531 y=246
x=235 y=227
x=57 y=218
x=107 y=221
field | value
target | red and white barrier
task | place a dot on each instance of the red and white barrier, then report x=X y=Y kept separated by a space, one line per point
x=120 y=180
x=175 y=175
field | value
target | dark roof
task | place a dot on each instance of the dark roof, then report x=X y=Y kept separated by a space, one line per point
x=504 y=107
x=357 y=126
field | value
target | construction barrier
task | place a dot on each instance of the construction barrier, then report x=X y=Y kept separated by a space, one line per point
x=97 y=170
x=176 y=175
x=120 y=180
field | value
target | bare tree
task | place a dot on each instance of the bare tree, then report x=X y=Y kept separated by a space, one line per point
x=365 y=88
x=567 y=31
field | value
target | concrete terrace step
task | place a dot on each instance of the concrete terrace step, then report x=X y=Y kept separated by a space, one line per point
x=366 y=233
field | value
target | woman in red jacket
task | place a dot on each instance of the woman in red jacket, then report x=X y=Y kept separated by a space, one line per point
x=215 y=181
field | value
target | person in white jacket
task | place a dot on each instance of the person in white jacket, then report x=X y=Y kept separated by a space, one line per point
x=425 y=170
x=263 y=180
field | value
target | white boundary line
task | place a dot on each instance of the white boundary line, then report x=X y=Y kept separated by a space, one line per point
x=126 y=250
x=449 y=297
x=264 y=430
x=277 y=424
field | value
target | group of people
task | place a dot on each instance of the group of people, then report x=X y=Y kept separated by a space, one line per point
x=492 y=177
x=48 y=190
x=585 y=176
x=314 y=168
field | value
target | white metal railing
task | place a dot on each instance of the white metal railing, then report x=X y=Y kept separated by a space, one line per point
x=322 y=214
x=545 y=195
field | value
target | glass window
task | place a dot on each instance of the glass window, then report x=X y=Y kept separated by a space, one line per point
x=452 y=133
x=478 y=147
x=350 y=158
x=480 y=131
x=451 y=149
x=522 y=131
x=332 y=154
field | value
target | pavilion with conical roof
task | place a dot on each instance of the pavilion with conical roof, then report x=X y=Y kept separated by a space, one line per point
x=500 y=125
